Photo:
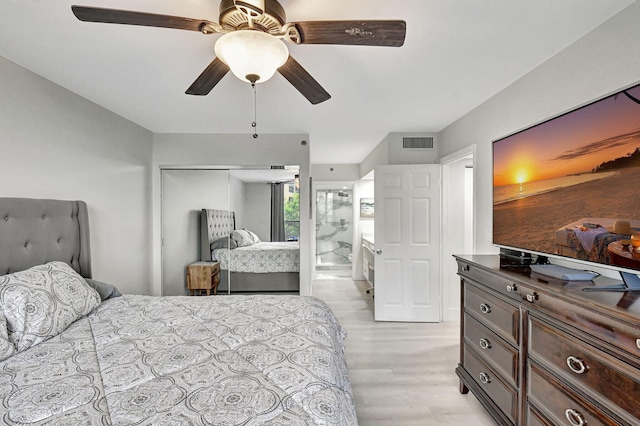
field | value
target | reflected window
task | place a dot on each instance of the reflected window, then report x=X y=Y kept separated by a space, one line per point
x=292 y=210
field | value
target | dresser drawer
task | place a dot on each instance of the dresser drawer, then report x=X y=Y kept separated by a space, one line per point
x=500 y=392
x=561 y=404
x=622 y=332
x=589 y=368
x=502 y=285
x=500 y=316
x=535 y=418
x=495 y=351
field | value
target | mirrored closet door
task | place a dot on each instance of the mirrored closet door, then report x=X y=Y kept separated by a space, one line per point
x=263 y=203
x=266 y=204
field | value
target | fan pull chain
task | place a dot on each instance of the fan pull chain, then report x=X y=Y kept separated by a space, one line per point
x=253 y=123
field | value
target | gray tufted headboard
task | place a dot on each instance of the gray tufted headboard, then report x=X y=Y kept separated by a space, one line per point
x=36 y=231
x=214 y=224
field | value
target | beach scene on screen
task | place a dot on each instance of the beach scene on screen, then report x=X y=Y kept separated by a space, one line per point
x=579 y=166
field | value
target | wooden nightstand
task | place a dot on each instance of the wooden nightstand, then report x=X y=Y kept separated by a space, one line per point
x=203 y=276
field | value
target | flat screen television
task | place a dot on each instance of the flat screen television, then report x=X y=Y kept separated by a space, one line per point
x=570 y=187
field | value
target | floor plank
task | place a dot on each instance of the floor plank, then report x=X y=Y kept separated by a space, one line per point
x=401 y=373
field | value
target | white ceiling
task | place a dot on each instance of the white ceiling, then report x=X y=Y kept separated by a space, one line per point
x=457 y=54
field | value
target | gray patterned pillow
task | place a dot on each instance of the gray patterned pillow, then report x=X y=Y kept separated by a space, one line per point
x=6 y=347
x=42 y=301
x=242 y=238
x=224 y=242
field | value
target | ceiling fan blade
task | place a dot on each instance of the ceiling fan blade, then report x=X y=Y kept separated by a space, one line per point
x=302 y=80
x=363 y=33
x=115 y=16
x=206 y=81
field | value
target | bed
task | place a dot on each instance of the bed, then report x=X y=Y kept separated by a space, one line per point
x=74 y=351
x=253 y=266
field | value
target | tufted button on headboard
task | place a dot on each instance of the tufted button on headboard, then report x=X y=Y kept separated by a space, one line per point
x=35 y=231
x=214 y=224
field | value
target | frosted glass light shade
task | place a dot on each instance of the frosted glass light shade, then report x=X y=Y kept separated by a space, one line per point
x=249 y=52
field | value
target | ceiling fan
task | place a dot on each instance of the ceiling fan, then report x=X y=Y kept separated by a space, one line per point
x=252 y=44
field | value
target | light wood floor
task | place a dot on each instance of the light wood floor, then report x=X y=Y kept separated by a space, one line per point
x=401 y=373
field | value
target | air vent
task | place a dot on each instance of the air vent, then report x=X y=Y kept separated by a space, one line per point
x=424 y=142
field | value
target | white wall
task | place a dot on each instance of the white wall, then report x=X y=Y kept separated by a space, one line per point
x=335 y=172
x=201 y=150
x=56 y=144
x=600 y=63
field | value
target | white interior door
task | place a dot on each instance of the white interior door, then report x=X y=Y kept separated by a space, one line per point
x=407 y=242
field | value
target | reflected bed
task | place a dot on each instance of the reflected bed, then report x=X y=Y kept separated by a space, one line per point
x=259 y=267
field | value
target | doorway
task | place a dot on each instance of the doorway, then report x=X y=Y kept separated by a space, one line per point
x=334 y=232
x=458 y=177
x=408 y=242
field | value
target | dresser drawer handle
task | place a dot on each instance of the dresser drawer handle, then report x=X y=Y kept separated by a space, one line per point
x=466 y=268
x=574 y=417
x=484 y=308
x=484 y=378
x=576 y=365
x=512 y=288
x=485 y=344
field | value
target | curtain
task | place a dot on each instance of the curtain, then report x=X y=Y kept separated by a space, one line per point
x=277 y=212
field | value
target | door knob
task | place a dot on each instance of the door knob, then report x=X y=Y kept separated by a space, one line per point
x=378 y=251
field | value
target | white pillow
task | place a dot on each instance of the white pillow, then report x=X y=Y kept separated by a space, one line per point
x=42 y=301
x=242 y=238
x=253 y=236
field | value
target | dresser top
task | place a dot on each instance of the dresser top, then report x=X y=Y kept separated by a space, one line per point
x=620 y=303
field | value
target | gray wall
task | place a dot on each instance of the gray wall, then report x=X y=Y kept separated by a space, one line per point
x=257 y=207
x=236 y=197
x=598 y=64
x=390 y=151
x=56 y=144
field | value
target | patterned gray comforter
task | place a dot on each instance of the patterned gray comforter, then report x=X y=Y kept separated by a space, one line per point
x=260 y=258
x=225 y=360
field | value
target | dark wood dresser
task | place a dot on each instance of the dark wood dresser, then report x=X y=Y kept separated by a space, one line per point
x=536 y=351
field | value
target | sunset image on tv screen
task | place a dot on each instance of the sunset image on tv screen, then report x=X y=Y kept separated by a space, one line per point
x=561 y=187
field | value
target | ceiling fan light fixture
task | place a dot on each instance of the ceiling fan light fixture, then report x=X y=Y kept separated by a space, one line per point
x=251 y=53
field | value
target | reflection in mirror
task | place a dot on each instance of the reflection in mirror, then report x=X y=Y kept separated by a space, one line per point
x=334 y=231
x=263 y=253
x=184 y=193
